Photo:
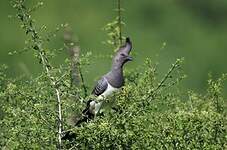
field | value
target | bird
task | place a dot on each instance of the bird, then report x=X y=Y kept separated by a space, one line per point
x=110 y=82
x=114 y=79
x=107 y=84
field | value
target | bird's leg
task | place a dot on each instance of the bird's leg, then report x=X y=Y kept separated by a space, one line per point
x=98 y=107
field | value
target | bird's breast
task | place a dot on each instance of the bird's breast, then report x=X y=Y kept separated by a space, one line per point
x=110 y=89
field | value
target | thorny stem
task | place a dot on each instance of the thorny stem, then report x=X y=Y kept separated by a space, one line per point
x=174 y=66
x=153 y=92
x=27 y=24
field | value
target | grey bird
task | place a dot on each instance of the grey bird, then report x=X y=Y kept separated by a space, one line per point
x=110 y=82
x=114 y=79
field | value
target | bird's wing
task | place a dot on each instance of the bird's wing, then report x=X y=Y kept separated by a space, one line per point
x=100 y=87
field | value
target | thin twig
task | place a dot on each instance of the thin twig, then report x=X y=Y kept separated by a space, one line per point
x=59 y=117
x=174 y=66
x=164 y=79
x=82 y=81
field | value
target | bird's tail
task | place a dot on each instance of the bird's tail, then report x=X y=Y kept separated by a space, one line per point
x=73 y=121
x=76 y=120
x=68 y=135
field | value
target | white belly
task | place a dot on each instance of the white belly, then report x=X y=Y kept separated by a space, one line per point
x=107 y=92
x=110 y=89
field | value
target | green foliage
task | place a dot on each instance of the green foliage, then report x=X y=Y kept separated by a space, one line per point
x=113 y=32
x=30 y=119
x=114 y=29
x=145 y=118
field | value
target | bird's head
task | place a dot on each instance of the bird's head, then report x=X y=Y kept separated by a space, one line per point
x=122 y=56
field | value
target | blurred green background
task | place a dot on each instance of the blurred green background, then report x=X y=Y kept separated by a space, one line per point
x=193 y=29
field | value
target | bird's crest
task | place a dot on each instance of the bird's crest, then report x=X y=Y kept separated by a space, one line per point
x=126 y=48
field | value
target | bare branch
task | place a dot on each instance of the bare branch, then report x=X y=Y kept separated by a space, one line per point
x=74 y=51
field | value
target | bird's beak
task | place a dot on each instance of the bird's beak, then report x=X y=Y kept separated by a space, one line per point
x=129 y=58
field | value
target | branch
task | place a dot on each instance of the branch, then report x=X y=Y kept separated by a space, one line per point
x=27 y=25
x=83 y=83
x=76 y=71
x=166 y=77
x=74 y=51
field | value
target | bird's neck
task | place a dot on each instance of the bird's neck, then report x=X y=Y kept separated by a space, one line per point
x=116 y=77
x=117 y=66
x=117 y=69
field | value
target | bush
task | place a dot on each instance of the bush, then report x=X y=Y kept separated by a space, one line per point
x=160 y=121
x=145 y=117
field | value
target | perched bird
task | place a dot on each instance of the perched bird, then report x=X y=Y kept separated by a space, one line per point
x=114 y=79
x=110 y=82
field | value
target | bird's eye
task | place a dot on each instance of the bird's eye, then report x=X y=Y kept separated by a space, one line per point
x=122 y=54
